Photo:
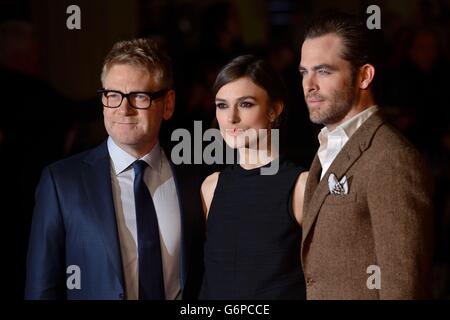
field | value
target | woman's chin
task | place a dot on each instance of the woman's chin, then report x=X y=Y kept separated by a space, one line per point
x=233 y=144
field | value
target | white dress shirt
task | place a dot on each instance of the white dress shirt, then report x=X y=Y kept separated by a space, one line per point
x=331 y=143
x=159 y=179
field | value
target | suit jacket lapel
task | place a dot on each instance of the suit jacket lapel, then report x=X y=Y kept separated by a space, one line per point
x=185 y=245
x=313 y=180
x=97 y=181
x=316 y=191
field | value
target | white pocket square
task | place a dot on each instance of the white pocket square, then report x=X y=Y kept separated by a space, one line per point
x=337 y=187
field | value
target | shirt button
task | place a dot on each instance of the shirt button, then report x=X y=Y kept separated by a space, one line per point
x=309 y=282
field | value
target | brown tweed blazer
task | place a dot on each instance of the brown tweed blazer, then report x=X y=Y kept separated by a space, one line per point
x=385 y=220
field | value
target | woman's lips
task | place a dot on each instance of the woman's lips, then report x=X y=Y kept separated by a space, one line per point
x=234 y=132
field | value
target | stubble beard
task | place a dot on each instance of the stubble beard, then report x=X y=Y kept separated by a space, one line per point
x=334 y=109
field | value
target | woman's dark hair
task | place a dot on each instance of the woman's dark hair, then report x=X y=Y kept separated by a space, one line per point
x=260 y=72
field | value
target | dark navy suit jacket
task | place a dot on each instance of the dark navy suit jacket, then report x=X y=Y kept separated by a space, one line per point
x=74 y=223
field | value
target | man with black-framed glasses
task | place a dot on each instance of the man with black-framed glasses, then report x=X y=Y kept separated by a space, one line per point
x=117 y=221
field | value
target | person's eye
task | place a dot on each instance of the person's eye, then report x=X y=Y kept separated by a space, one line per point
x=324 y=71
x=142 y=97
x=221 y=105
x=245 y=104
x=303 y=73
x=112 y=95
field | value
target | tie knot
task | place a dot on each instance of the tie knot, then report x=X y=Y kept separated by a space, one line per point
x=139 y=167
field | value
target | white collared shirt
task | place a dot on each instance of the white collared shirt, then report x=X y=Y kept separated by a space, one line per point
x=331 y=143
x=159 y=179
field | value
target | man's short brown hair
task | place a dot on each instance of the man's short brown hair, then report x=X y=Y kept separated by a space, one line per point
x=358 y=48
x=143 y=53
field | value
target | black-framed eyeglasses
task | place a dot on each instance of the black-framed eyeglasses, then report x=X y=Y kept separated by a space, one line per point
x=136 y=99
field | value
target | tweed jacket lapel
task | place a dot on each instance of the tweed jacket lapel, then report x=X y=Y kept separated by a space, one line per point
x=316 y=191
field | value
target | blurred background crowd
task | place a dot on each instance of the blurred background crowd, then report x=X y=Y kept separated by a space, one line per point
x=49 y=76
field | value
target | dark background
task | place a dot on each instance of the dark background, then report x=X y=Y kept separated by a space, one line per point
x=49 y=76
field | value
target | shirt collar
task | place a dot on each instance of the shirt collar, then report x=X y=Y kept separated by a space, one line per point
x=346 y=129
x=122 y=160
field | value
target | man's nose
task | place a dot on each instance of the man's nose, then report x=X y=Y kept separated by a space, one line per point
x=125 y=107
x=309 y=83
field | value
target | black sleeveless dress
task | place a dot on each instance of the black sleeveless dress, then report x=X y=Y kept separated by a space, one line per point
x=252 y=248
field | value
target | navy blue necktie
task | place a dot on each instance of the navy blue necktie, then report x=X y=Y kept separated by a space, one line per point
x=151 y=281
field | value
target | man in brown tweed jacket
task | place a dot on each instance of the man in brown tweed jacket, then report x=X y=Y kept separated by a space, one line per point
x=367 y=224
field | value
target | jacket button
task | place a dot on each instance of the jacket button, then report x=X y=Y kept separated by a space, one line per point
x=309 y=282
x=121 y=296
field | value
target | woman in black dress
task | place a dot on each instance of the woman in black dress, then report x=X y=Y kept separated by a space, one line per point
x=254 y=214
